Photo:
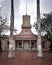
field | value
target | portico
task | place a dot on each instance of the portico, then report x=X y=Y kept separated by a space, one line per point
x=26 y=45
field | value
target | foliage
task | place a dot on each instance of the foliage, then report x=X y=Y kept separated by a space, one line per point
x=46 y=24
x=3 y=25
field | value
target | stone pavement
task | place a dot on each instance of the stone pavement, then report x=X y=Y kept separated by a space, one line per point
x=25 y=58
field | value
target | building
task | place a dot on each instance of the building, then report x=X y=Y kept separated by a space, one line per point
x=25 y=40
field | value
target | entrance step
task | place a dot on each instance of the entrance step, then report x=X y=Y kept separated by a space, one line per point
x=26 y=49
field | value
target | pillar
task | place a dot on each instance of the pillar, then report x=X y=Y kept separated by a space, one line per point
x=30 y=45
x=2 y=45
x=22 y=44
x=14 y=45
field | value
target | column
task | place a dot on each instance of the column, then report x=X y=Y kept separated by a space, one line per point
x=30 y=45
x=13 y=44
x=34 y=44
x=2 y=45
x=22 y=45
x=6 y=44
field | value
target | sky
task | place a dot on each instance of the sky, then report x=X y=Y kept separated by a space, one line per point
x=20 y=10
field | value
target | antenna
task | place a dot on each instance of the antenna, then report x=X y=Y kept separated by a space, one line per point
x=26 y=9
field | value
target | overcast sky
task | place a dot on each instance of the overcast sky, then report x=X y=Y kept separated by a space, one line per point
x=20 y=9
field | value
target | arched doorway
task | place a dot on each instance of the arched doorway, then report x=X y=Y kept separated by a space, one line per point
x=0 y=46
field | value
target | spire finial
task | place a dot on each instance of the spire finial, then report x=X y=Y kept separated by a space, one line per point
x=26 y=9
x=0 y=11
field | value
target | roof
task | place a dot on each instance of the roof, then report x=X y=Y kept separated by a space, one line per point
x=26 y=34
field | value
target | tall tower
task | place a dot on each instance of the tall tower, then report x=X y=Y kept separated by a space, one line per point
x=39 y=47
x=11 y=40
x=26 y=20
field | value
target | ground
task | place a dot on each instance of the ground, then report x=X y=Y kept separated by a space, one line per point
x=25 y=58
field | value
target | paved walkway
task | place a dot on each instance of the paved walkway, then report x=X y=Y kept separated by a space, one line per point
x=25 y=58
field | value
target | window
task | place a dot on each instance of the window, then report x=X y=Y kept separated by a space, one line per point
x=20 y=45
x=32 y=45
x=35 y=41
x=8 y=44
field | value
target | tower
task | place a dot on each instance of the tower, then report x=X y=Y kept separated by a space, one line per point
x=26 y=20
x=39 y=47
x=11 y=40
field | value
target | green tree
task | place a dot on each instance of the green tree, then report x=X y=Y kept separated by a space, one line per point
x=3 y=25
x=46 y=25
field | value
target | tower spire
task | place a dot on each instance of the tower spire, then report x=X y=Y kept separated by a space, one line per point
x=26 y=9
x=0 y=11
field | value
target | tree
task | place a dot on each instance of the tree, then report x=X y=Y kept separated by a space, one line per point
x=46 y=25
x=3 y=25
